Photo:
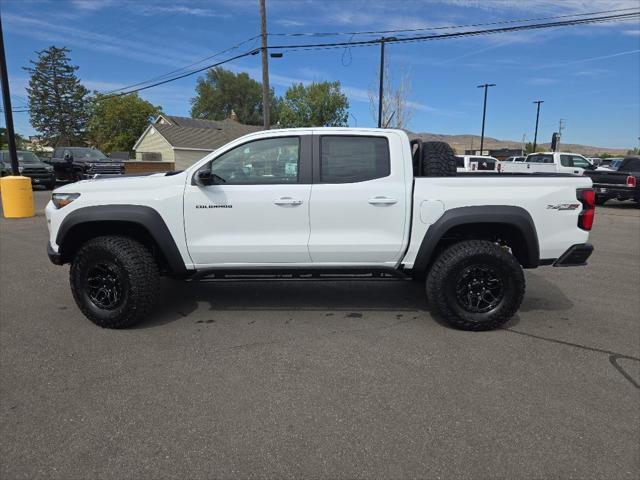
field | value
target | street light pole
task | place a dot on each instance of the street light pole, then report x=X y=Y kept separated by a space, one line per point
x=535 y=136
x=6 y=101
x=484 y=112
x=266 y=94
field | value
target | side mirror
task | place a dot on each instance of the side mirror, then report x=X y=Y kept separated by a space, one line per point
x=205 y=178
x=68 y=157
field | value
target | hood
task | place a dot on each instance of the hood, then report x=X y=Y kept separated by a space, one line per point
x=125 y=183
x=93 y=160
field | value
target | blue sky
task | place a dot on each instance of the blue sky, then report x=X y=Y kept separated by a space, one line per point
x=587 y=75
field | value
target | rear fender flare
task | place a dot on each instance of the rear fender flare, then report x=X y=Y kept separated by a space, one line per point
x=511 y=216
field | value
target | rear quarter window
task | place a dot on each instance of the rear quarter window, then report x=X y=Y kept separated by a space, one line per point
x=350 y=159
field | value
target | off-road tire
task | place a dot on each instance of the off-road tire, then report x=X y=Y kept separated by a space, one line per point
x=447 y=272
x=438 y=160
x=135 y=268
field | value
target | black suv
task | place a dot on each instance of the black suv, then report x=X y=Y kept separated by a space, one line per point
x=79 y=163
x=30 y=166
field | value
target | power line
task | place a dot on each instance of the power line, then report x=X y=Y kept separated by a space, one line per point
x=535 y=26
x=255 y=51
x=350 y=43
x=444 y=27
x=159 y=77
x=366 y=43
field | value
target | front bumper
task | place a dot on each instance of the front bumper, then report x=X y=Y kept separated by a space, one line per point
x=55 y=257
x=575 y=256
x=40 y=178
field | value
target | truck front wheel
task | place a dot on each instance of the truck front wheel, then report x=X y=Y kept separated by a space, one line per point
x=114 y=281
x=476 y=285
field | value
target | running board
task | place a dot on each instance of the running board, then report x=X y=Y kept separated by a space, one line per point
x=211 y=274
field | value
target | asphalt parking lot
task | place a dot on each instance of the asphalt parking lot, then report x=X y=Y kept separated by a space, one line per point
x=322 y=379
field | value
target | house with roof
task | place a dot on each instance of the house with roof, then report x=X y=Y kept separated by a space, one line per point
x=184 y=140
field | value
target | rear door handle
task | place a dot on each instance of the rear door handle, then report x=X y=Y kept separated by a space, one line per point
x=284 y=201
x=382 y=201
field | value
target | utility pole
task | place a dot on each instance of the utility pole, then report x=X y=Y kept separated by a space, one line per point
x=381 y=89
x=561 y=127
x=524 y=139
x=535 y=136
x=6 y=101
x=484 y=113
x=266 y=94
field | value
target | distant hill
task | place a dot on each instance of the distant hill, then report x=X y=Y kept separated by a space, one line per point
x=460 y=143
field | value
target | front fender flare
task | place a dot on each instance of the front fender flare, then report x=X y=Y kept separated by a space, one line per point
x=146 y=217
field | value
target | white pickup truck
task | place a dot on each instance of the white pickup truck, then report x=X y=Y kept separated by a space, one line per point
x=550 y=162
x=477 y=163
x=320 y=201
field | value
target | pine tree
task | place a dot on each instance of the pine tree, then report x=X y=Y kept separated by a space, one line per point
x=58 y=106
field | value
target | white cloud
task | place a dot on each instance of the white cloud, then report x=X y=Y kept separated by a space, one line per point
x=542 y=81
x=148 y=52
x=633 y=32
x=92 y=5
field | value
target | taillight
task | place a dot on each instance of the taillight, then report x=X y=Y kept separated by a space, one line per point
x=631 y=181
x=587 y=197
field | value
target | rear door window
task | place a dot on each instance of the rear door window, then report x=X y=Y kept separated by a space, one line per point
x=350 y=159
x=459 y=162
x=540 y=158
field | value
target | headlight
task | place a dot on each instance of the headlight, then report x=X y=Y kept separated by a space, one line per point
x=48 y=168
x=63 y=199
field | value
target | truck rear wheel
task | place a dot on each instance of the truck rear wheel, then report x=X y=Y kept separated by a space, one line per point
x=114 y=281
x=438 y=159
x=476 y=285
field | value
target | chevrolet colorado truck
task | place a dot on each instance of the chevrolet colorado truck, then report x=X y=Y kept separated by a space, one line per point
x=320 y=202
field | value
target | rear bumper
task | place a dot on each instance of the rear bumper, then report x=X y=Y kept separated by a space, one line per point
x=575 y=256
x=55 y=257
x=616 y=191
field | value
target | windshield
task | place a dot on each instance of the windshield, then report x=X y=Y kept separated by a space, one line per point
x=23 y=157
x=88 y=154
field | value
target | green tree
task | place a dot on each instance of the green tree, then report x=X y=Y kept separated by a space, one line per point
x=116 y=123
x=222 y=91
x=315 y=105
x=4 y=140
x=57 y=100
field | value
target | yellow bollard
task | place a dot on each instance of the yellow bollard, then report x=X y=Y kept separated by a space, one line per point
x=17 y=197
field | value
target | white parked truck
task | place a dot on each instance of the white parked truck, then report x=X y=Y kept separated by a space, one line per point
x=320 y=201
x=477 y=163
x=550 y=162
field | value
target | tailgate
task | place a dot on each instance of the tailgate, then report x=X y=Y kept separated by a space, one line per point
x=608 y=178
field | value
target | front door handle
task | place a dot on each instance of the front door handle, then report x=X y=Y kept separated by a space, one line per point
x=287 y=201
x=382 y=201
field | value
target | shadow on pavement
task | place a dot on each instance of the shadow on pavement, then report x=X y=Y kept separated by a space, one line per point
x=179 y=299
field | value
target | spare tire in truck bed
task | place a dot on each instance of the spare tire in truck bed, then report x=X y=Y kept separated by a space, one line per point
x=437 y=160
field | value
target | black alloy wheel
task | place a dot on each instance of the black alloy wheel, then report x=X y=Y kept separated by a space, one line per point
x=104 y=285
x=480 y=288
